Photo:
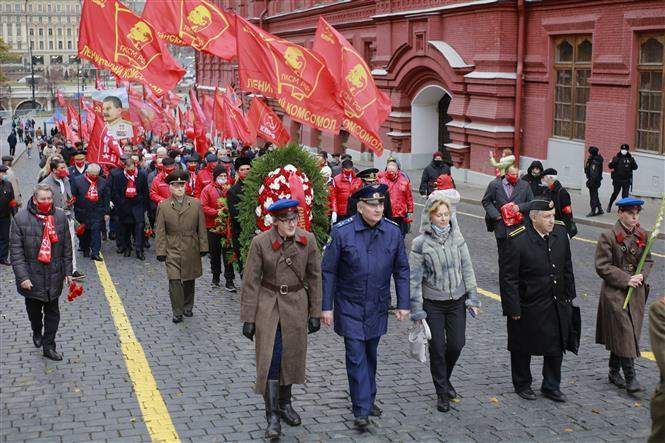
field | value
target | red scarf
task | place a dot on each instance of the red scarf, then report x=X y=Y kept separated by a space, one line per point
x=130 y=190
x=92 y=195
x=49 y=236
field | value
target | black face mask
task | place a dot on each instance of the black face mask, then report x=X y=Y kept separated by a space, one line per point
x=438 y=162
x=535 y=174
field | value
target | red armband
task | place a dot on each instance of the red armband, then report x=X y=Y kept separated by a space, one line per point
x=568 y=210
x=13 y=204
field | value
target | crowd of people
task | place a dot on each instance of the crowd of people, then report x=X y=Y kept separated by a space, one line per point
x=189 y=204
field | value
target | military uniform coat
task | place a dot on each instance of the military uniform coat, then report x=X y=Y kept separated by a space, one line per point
x=266 y=262
x=537 y=283
x=617 y=256
x=181 y=237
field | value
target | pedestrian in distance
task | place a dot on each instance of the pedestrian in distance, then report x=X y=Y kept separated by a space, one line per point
x=657 y=335
x=432 y=172
x=622 y=166
x=537 y=288
x=280 y=304
x=562 y=203
x=593 y=170
x=534 y=176
x=181 y=242
x=507 y=159
x=363 y=252
x=401 y=197
x=617 y=254
x=344 y=185
x=8 y=207
x=41 y=255
x=12 y=141
x=443 y=288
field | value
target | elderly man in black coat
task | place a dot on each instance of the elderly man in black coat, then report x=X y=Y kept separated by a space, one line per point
x=41 y=255
x=130 y=196
x=537 y=289
x=91 y=208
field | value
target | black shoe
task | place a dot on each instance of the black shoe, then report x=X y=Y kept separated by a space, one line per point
x=230 y=286
x=140 y=255
x=527 y=394
x=96 y=258
x=628 y=366
x=177 y=318
x=127 y=253
x=609 y=209
x=37 y=340
x=452 y=393
x=443 y=403
x=616 y=379
x=286 y=411
x=361 y=422
x=76 y=275
x=591 y=214
x=188 y=314
x=555 y=395
x=104 y=236
x=86 y=253
x=600 y=212
x=120 y=250
x=5 y=262
x=215 y=281
x=52 y=355
x=375 y=411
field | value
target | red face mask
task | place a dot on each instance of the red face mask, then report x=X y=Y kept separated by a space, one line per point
x=512 y=179
x=191 y=167
x=168 y=169
x=391 y=175
x=347 y=171
x=79 y=163
x=211 y=166
x=62 y=173
x=44 y=207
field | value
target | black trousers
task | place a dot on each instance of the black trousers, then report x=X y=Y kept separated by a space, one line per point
x=219 y=255
x=236 y=249
x=12 y=150
x=91 y=240
x=127 y=230
x=594 y=201
x=624 y=187
x=44 y=315
x=5 y=223
x=520 y=366
x=447 y=322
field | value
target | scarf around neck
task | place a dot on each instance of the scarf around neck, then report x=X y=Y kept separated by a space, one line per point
x=49 y=236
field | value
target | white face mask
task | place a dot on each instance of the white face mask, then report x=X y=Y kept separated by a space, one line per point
x=221 y=180
x=623 y=152
x=177 y=159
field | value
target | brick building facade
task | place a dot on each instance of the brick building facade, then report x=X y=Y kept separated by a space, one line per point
x=592 y=73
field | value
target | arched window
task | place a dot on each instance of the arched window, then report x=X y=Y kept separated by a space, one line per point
x=651 y=88
x=572 y=65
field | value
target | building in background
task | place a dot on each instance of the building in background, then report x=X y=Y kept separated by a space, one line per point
x=592 y=73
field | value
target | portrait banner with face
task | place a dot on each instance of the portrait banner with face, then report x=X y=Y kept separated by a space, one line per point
x=365 y=106
x=113 y=37
x=290 y=73
x=114 y=105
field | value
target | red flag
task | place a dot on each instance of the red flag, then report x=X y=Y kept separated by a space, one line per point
x=182 y=120
x=196 y=23
x=102 y=148
x=60 y=99
x=200 y=140
x=231 y=122
x=207 y=104
x=268 y=125
x=365 y=106
x=147 y=115
x=131 y=49
x=294 y=75
x=169 y=120
x=171 y=99
x=98 y=83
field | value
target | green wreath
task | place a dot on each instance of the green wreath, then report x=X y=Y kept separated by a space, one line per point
x=302 y=159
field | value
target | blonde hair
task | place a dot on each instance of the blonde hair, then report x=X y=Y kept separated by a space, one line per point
x=437 y=203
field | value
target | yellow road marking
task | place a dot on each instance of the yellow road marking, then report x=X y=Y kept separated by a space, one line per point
x=155 y=415
x=646 y=354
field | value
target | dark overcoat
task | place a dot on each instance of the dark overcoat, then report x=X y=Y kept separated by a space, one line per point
x=86 y=211
x=617 y=256
x=495 y=197
x=266 y=262
x=129 y=209
x=25 y=239
x=537 y=283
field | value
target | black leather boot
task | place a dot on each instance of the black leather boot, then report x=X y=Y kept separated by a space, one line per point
x=615 y=376
x=628 y=365
x=443 y=402
x=289 y=415
x=271 y=397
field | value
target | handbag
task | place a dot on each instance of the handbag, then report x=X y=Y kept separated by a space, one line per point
x=418 y=339
x=575 y=330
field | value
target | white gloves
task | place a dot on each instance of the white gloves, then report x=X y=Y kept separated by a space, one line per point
x=333 y=218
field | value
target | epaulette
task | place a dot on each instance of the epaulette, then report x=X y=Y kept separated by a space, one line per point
x=517 y=231
x=390 y=221
x=343 y=222
x=559 y=222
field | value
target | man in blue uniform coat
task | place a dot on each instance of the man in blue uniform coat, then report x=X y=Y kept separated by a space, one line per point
x=362 y=254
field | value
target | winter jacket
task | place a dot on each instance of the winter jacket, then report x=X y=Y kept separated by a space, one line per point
x=159 y=189
x=441 y=267
x=203 y=179
x=85 y=210
x=430 y=174
x=534 y=182
x=343 y=188
x=622 y=167
x=7 y=199
x=25 y=239
x=209 y=201
x=401 y=197
x=593 y=169
x=12 y=140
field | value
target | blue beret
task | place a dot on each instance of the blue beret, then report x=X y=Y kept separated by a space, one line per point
x=371 y=192
x=283 y=206
x=211 y=158
x=629 y=201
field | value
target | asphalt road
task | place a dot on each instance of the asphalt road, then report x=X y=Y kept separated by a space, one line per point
x=130 y=374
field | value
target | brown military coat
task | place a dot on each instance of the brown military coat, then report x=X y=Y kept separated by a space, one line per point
x=657 y=333
x=266 y=308
x=617 y=256
x=181 y=236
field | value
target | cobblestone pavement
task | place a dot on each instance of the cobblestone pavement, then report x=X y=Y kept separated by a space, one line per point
x=204 y=368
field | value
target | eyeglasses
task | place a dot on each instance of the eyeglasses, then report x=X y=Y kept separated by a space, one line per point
x=290 y=220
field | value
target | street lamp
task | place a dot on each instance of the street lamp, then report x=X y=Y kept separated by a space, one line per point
x=32 y=65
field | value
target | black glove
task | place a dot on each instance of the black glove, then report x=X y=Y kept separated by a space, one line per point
x=248 y=330
x=203 y=253
x=313 y=324
x=161 y=258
